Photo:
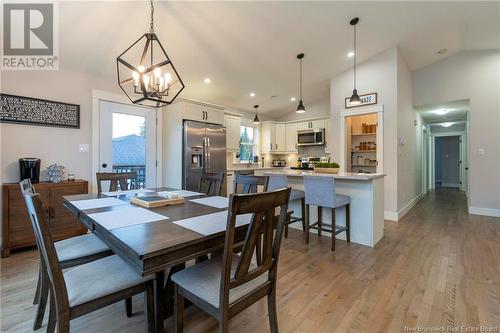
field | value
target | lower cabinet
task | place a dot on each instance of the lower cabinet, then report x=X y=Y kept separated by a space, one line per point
x=16 y=225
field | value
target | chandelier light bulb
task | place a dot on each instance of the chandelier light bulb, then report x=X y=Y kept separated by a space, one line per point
x=157 y=72
x=136 y=77
x=141 y=68
x=168 y=78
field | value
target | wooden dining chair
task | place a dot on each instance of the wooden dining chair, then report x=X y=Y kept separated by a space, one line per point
x=87 y=287
x=228 y=284
x=248 y=184
x=70 y=252
x=117 y=181
x=211 y=182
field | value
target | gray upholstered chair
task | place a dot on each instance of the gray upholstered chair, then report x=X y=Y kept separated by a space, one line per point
x=277 y=181
x=228 y=284
x=320 y=192
x=87 y=287
x=70 y=252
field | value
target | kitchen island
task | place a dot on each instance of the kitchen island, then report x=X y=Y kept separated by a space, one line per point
x=367 y=203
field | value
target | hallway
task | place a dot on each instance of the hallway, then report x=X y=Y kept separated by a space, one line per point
x=437 y=266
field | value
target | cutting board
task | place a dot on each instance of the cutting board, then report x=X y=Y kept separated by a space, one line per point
x=155 y=201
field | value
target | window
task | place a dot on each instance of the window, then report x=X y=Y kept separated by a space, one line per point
x=246 y=143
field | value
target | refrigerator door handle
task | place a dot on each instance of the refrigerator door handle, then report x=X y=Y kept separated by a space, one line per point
x=208 y=154
x=204 y=166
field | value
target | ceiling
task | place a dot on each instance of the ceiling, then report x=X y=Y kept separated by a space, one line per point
x=252 y=46
x=457 y=111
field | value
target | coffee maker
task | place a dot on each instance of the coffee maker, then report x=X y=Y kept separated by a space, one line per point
x=29 y=168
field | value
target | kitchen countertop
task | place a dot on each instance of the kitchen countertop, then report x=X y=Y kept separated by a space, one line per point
x=250 y=168
x=340 y=175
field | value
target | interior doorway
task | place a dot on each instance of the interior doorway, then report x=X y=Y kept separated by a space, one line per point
x=447 y=160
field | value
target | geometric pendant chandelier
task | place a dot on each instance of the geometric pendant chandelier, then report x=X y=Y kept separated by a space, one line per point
x=145 y=72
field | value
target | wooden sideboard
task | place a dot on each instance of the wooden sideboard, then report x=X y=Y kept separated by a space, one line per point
x=16 y=225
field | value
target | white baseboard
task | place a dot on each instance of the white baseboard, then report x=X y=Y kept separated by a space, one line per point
x=396 y=216
x=391 y=216
x=450 y=185
x=484 y=211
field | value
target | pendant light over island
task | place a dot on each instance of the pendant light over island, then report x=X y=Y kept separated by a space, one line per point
x=300 y=108
x=355 y=100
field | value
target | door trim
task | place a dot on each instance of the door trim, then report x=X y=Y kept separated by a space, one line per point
x=97 y=97
x=461 y=154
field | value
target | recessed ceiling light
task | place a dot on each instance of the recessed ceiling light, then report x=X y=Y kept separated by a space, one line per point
x=350 y=54
x=441 y=112
x=442 y=51
x=446 y=124
x=207 y=80
x=252 y=94
x=293 y=99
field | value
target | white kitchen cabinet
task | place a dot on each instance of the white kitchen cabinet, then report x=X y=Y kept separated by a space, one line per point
x=291 y=137
x=312 y=124
x=280 y=137
x=318 y=123
x=268 y=137
x=191 y=111
x=328 y=137
x=233 y=125
x=302 y=126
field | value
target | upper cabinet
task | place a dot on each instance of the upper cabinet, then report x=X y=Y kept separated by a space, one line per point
x=291 y=137
x=280 y=138
x=233 y=125
x=206 y=114
x=306 y=125
x=328 y=137
x=268 y=137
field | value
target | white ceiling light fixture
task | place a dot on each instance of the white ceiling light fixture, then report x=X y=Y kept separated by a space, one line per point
x=252 y=94
x=350 y=54
x=441 y=112
x=207 y=80
x=447 y=124
x=293 y=99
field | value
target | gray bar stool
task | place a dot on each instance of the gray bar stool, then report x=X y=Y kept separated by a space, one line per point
x=320 y=192
x=279 y=181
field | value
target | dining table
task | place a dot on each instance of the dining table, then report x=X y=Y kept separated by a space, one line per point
x=157 y=240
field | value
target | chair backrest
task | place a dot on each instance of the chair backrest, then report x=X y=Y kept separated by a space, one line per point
x=26 y=187
x=249 y=183
x=123 y=179
x=48 y=254
x=320 y=191
x=211 y=182
x=277 y=181
x=263 y=207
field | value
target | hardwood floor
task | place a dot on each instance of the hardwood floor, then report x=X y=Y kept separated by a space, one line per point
x=437 y=266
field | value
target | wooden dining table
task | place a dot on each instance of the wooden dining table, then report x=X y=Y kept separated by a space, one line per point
x=161 y=247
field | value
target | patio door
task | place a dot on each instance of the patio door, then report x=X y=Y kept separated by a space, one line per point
x=127 y=141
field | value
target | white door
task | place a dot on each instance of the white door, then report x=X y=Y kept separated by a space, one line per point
x=127 y=139
x=280 y=137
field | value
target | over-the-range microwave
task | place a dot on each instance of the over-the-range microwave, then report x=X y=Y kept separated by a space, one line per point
x=311 y=137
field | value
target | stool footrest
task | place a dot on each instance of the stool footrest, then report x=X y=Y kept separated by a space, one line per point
x=328 y=228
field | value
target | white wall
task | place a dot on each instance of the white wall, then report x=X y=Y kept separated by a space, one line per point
x=51 y=144
x=377 y=74
x=473 y=75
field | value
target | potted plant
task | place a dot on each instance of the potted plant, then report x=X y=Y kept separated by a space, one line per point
x=326 y=167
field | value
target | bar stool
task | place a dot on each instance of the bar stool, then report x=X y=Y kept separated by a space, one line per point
x=320 y=192
x=279 y=181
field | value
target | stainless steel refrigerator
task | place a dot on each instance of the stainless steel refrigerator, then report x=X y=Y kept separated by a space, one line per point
x=204 y=149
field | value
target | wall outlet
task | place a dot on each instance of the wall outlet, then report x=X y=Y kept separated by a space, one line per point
x=480 y=151
x=83 y=148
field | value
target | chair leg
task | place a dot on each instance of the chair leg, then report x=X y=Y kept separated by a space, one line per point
x=149 y=307
x=271 y=307
x=303 y=208
x=51 y=325
x=63 y=324
x=348 y=222
x=42 y=299
x=128 y=306
x=178 y=310
x=307 y=224
x=333 y=229
x=36 y=299
x=258 y=250
x=320 y=217
x=286 y=231
x=223 y=326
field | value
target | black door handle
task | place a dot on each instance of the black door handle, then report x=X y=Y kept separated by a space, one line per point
x=104 y=165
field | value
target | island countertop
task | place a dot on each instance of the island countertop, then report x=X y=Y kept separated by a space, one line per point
x=340 y=175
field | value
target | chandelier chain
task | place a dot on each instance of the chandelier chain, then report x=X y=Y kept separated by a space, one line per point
x=151 y=28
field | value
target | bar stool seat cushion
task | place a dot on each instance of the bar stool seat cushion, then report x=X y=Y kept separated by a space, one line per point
x=203 y=280
x=100 y=278
x=297 y=194
x=79 y=247
x=342 y=200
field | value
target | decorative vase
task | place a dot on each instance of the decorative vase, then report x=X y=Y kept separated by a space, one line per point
x=55 y=173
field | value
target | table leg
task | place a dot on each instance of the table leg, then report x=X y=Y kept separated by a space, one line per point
x=164 y=296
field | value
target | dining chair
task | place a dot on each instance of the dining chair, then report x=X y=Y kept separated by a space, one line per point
x=277 y=181
x=248 y=183
x=117 y=180
x=211 y=182
x=70 y=252
x=87 y=287
x=228 y=284
x=320 y=192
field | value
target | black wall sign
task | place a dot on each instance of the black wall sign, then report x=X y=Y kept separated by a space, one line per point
x=34 y=111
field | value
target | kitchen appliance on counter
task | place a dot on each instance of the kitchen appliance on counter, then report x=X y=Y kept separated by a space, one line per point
x=279 y=163
x=29 y=168
x=203 y=150
x=311 y=137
